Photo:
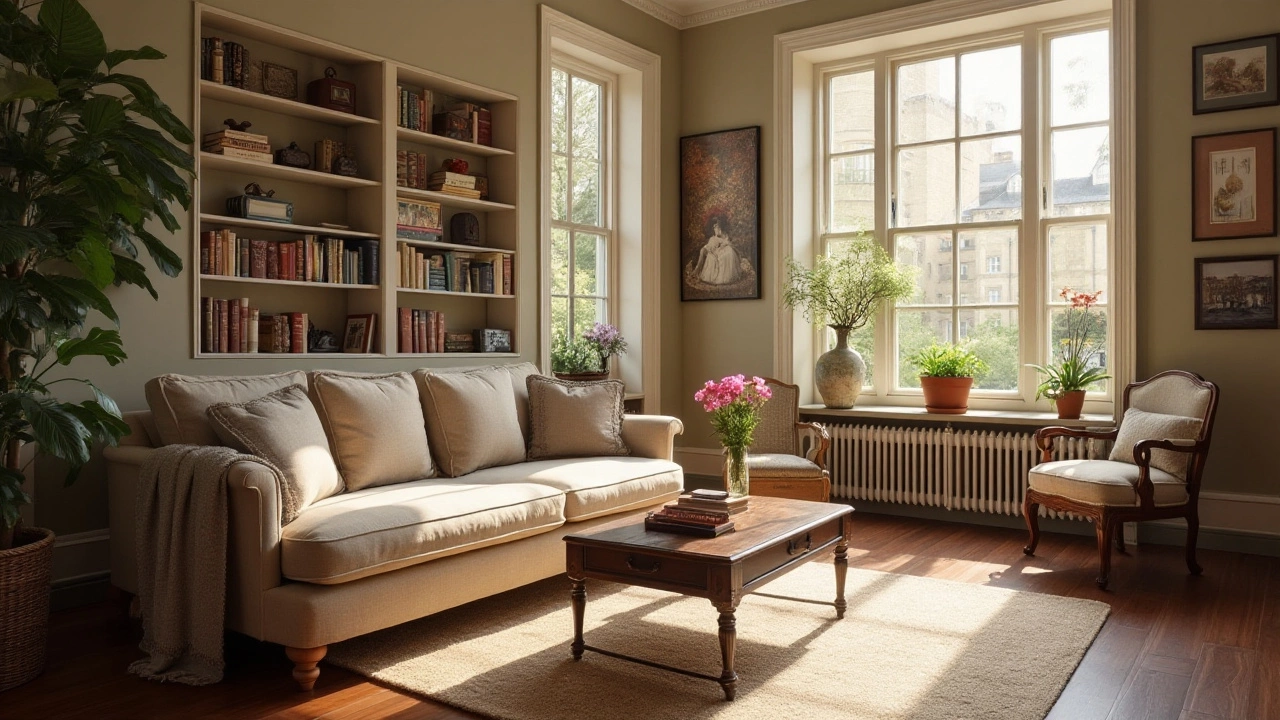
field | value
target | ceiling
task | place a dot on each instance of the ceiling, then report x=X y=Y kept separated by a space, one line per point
x=691 y=13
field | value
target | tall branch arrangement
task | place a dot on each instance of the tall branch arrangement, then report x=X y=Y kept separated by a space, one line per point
x=87 y=160
x=845 y=288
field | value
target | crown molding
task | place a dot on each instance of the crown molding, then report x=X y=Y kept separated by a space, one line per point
x=682 y=14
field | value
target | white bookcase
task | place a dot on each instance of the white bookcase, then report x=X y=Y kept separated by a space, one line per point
x=366 y=204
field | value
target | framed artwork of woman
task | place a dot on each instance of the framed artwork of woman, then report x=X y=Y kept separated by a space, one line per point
x=720 y=215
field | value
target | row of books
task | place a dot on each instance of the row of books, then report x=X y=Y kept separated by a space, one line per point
x=238 y=144
x=416 y=109
x=484 y=273
x=310 y=259
x=223 y=61
x=706 y=513
x=232 y=326
x=421 y=331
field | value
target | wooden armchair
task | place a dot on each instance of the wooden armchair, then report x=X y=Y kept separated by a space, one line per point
x=788 y=458
x=1153 y=472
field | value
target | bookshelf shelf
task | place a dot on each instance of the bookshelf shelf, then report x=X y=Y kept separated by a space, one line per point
x=467 y=148
x=226 y=93
x=457 y=355
x=214 y=219
x=482 y=296
x=296 y=283
x=241 y=356
x=440 y=245
x=212 y=161
x=452 y=200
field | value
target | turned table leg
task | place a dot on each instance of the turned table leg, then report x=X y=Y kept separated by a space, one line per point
x=728 y=643
x=842 y=565
x=578 y=594
x=304 y=664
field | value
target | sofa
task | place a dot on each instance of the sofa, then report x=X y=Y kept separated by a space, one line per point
x=405 y=541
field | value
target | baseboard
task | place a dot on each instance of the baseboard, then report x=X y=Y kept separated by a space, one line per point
x=79 y=557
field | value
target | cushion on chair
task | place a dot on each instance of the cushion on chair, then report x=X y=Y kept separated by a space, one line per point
x=179 y=402
x=1138 y=425
x=781 y=465
x=575 y=419
x=471 y=420
x=595 y=486
x=1103 y=482
x=379 y=529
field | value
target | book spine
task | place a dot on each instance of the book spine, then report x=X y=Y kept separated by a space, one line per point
x=701 y=516
x=254 y=329
x=263 y=157
x=224 y=329
x=206 y=243
x=219 y=61
x=206 y=324
x=298 y=332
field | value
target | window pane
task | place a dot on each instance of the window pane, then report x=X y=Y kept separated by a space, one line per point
x=991 y=90
x=927 y=185
x=586 y=119
x=559 y=261
x=992 y=259
x=1081 y=172
x=926 y=94
x=559 y=187
x=559 y=316
x=853 y=187
x=559 y=111
x=1079 y=78
x=852 y=103
x=917 y=330
x=930 y=253
x=1095 y=349
x=586 y=192
x=992 y=334
x=586 y=312
x=991 y=179
x=588 y=264
x=1077 y=259
x=863 y=340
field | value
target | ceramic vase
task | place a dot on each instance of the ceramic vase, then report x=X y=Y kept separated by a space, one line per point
x=840 y=373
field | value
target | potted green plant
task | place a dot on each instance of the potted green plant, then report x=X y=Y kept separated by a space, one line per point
x=1066 y=381
x=844 y=290
x=586 y=358
x=81 y=177
x=947 y=373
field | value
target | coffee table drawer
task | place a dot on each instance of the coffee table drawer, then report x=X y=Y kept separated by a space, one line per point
x=636 y=566
x=795 y=548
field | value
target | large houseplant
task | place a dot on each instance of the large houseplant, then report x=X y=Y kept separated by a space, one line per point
x=87 y=160
x=843 y=290
x=947 y=373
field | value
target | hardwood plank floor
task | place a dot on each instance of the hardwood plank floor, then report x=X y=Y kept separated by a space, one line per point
x=1175 y=646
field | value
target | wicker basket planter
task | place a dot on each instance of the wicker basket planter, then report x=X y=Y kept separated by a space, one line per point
x=24 y=605
x=583 y=377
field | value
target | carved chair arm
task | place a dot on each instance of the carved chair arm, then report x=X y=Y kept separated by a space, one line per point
x=1142 y=458
x=819 y=442
x=1045 y=436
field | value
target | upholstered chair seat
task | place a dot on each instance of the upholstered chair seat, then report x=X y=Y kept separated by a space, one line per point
x=1104 y=482
x=787 y=457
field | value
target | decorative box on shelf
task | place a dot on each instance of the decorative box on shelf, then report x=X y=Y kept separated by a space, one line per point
x=492 y=340
x=418 y=220
x=257 y=204
x=331 y=93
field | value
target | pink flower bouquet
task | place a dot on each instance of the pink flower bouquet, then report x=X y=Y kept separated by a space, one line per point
x=734 y=404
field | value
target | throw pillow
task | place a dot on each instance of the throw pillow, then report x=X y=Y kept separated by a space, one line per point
x=283 y=428
x=1138 y=425
x=471 y=420
x=517 y=373
x=375 y=425
x=179 y=402
x=575 y=419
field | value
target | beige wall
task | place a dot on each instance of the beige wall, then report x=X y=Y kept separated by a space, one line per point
x=727 y=82
x=489 y=42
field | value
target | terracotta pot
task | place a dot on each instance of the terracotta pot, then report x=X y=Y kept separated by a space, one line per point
x=946 y=395
x=839 y=373
x=583 y=377
x=1070 y=404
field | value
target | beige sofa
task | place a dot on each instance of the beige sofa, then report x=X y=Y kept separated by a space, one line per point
x=366 y=560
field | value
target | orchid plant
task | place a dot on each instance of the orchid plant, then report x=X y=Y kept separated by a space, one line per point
x=1078 y=350
x=734 y=404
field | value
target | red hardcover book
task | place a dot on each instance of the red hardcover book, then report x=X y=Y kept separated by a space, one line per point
x=297 y=332
x=406 y=330
x=286 y=260
x=206 y=248
x=415 y=331
x=707 y=516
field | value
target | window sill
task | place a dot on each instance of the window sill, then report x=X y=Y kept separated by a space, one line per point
x=983 y=417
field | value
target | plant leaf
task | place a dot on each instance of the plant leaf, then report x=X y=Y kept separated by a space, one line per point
x=76 y=39
x=59 y=432
x=146 y=52
x=16 y=85
x=98 y=342
x=95 y=260
x=166 y=259
x=132 y=272
x=101 y=113
x=16 y=241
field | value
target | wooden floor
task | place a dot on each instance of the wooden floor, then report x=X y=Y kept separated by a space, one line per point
x=1175 y=646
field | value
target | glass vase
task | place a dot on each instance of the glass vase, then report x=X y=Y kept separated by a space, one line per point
x=736 y=478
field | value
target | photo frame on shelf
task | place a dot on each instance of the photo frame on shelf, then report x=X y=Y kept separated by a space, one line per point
x=1233 y=185
x=279 y=81
x=1235 y=75
x=1237 y=293
x=720 y=215
x=358 y=336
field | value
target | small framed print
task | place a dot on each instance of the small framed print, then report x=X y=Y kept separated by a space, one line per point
x=358 y=337
x=1237 y=293
x=1235 y=75
x=279 y=81
x=1233 y=185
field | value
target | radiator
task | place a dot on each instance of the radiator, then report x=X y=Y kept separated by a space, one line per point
x=956 y=469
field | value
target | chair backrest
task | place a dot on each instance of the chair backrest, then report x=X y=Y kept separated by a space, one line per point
x=1176 y=392
x=776 y=432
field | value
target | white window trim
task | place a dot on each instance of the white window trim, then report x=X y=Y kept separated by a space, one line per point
x=798 y=53
x=637 y=211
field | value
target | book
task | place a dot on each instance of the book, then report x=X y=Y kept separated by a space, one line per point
x=654 y=523
x=684 y=512
x=262 y=157
x=242 y=135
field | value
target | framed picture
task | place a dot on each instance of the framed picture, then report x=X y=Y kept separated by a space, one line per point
x=279 y=81
x=358 y=337
x=1235 y=75
x=1237 y=293
x=720 y=215
x=1233 y=185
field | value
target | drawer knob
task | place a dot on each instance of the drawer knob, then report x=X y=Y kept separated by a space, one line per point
x=797 y=546
x=631 y=563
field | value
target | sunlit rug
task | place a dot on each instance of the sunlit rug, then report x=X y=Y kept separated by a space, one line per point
x=908 y=648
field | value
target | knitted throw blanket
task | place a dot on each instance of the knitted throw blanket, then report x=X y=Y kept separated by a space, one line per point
x=181 y=528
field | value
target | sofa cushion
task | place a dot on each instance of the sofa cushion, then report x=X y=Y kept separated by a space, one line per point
x=1103 y=482
x=375 y=425
x=471 y=420
x=594 y=486
x=179 y=402
x=1138 y=425
x=284 y=429
x=379 y=529
x=517 y=373
x=781 y=465
x=574 y=419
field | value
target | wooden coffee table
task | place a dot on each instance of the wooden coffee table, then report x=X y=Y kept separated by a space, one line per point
x=772 y=537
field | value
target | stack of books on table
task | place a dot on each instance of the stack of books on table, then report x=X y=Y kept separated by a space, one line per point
x=239 y=144
x=705 y=513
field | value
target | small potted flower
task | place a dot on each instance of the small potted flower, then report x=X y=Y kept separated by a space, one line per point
x=1066 y=381
x=586 y=358
x=734 y=404
x=947 y=373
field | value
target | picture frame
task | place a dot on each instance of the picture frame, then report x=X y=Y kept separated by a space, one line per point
x=279 y=81
x=1236 y=74
x=358 y=336
x=1233 y=185
x=720 y=215
x=1237 y=292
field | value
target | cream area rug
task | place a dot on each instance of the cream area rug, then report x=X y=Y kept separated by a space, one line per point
x=908 y=647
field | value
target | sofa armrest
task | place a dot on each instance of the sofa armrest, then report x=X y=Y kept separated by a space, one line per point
x=651 y=436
